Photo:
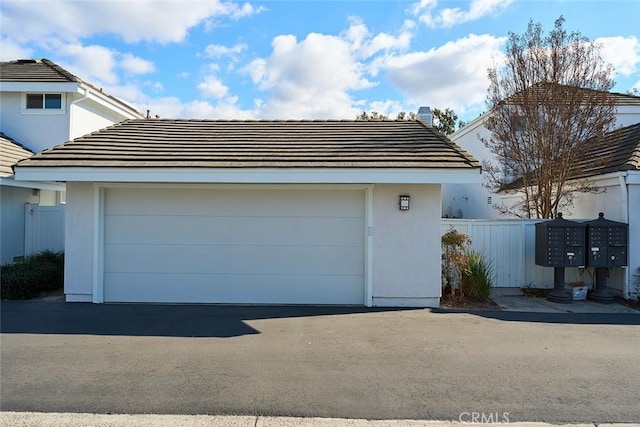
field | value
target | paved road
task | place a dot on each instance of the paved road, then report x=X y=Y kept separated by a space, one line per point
x=327 y=362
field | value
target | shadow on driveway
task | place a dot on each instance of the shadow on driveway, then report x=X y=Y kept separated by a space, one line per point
x=566 y=318
x=222 y=321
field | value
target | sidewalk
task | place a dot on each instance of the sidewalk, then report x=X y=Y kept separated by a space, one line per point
x=512 y=299
x=32 y=419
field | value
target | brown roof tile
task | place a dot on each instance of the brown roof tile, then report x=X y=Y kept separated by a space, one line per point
x=34 y=70
x=616 y=151
x=239 y=144
x=10 y=153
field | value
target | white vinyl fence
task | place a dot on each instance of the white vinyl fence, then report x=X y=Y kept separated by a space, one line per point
x=509 y=245
x=43 y=228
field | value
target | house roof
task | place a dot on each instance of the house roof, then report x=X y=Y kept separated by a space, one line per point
x=34 y=70
x=10 y=153
x=616 y=151
x=259 y=144
x=621 y=100
x=46 y=71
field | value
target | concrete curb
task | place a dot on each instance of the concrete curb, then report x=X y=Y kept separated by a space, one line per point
x=40 y=419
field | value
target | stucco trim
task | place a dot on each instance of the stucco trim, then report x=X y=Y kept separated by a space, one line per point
x=255 y=175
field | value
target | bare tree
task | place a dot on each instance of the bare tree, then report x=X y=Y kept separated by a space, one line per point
x=550 y=96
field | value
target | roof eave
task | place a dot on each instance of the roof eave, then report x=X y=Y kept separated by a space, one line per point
x=253 y=175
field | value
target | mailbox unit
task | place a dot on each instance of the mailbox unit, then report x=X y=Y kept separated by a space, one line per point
x=560 y=243
x=607 y=243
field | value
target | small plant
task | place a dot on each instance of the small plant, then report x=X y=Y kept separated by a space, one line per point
x=455 y=246
x=37 y=273
x=477 y=276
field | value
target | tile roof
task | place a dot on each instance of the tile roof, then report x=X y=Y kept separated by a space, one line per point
x=45 y=71
x=10 y=153
x=34 y=70
x=616 y=151
x=549 y=91
x=257 y=144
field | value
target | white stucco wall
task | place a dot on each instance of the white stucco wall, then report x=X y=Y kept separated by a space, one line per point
x=12 y=201
x=634 y=234
x=87 y=117
x=405 y=248
x=79 y=248
x=36 y=131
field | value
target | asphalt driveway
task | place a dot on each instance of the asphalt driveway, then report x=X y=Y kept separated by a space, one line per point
x=328 y=362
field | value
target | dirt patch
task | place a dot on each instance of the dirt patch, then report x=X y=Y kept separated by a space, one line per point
x=447 y=301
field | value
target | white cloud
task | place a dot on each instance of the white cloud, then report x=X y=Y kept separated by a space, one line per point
x=621 y=52
x=134 y=21
x=451 y=76
x=11 y=50
x=211 y=87
x=95 y=64
x=426 y=12
x=300 y=81
x=217 y=50
x=136 y=65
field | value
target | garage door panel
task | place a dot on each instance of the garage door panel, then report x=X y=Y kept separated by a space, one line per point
x=234 y=259
x=231 y=289
x=234 y=246
x=153 y=201
x=233 y=230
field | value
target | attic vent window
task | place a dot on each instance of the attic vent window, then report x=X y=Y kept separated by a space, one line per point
x=44 y=101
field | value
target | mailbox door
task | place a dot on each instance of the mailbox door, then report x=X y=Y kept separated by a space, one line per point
x=617 y=256
x=597 y=256
x=574 y=256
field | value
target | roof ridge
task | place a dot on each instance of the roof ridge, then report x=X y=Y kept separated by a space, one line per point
x=58 y=69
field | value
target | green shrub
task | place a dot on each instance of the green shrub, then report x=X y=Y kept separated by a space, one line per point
x=476 y=277
x=37 y=273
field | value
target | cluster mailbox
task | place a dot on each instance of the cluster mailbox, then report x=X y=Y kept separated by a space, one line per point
x=560 y=243
x=606 y=243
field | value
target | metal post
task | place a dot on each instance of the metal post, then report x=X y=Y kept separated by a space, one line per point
x=601 y=293
x=559 y=293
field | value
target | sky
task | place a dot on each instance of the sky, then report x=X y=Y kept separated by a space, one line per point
x=301 y=59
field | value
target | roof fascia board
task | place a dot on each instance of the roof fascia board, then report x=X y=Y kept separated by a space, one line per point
x=255 y=175
x=106 y=101
x=469 y=127
x=11 y=182
x=39 y=87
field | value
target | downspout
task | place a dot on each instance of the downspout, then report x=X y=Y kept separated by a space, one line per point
x=624 y=190
x=77 y=101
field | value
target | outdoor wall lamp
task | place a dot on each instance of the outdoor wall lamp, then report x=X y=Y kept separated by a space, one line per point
x=403 y=204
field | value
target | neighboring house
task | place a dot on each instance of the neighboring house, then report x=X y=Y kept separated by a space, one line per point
x=260 y=212
x=612 y=165
x=42 y=105
x=477 y=201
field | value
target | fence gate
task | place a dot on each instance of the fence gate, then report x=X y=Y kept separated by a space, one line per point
x=43 y=228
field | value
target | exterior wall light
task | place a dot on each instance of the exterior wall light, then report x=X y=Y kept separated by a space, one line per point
x=403 y=204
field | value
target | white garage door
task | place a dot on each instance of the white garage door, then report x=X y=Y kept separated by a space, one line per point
x=234 y=246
